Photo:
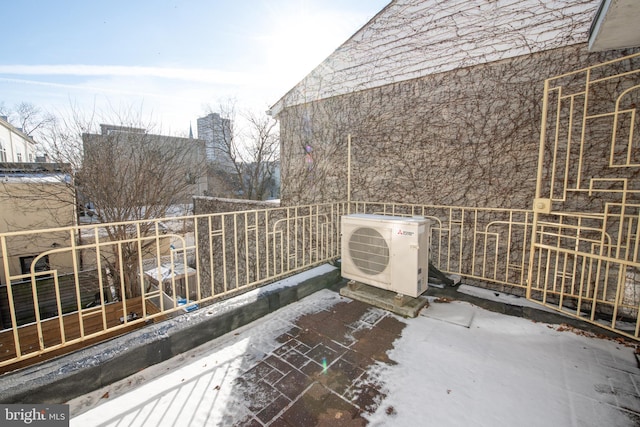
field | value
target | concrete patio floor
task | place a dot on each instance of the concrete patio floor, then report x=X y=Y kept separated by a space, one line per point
x=331 y=361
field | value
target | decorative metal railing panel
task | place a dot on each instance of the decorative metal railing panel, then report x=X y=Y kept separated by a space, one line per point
x=104 y=286
x=484 y=244
x=104 y=279
x=584 y=259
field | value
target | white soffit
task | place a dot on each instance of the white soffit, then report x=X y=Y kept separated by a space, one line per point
x=615 y=26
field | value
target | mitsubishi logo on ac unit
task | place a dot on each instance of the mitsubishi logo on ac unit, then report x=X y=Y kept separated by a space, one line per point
x=402 y=232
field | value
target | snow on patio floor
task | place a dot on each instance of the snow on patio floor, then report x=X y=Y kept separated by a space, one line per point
x=331 y=361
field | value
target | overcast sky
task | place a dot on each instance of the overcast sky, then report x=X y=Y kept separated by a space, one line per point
x=168 y=58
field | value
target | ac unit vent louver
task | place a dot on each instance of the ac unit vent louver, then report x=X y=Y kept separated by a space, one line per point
x=369 y=250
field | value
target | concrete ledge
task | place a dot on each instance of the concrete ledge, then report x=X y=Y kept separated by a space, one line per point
x=382 y=298
x=61 y=379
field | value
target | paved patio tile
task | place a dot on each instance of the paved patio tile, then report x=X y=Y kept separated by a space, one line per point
x=317 y=376
x=320 y=407
x=349 y=312
x=310 y=338
x=268 y=413
x=389 y=371
x=293 y=384
x=295 y=358
x=312 y=368
x=375 y=346
x=339 y=376
x=279 y=364
x=257 y=395
x=323 y=354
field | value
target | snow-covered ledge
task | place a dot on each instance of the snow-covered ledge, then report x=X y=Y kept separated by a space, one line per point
x=59 y=380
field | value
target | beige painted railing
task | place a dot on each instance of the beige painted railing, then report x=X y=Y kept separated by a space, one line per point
x=96 y=286
x=585 y=251
x=476 y=243
x=94 y=281
x=584 y=265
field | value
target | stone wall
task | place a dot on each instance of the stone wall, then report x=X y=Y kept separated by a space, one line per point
x=221 y=240
x=209 y=205
x=468 y=137
x=410 y=39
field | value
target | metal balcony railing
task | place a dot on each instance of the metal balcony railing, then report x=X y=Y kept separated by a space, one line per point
x=92 y=282
x=87 y=283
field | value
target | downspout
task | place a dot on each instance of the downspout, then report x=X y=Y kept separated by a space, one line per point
x=348 y=173
x=12 y=151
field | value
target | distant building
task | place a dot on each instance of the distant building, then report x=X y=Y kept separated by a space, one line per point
x=216 y=132
x=186 y=158
x=113 y=129
x=15 y=145
x=36 y=196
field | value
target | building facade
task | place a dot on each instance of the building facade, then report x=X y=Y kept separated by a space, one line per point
x=127 y=157
x=15 y=145
x=36 y=196
x=441 y=101
x=216 y=132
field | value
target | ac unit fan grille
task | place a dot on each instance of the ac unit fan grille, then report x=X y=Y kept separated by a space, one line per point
x=369 y=251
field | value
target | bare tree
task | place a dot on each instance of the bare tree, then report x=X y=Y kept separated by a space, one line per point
x=32 y=118
x=28 y=117
x=126 y=173
x=262 y=148
x=248 y=155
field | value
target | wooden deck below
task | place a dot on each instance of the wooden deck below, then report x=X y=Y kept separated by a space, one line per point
x=92 y=323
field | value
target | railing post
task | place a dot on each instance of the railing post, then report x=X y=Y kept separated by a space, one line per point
x=536 y=206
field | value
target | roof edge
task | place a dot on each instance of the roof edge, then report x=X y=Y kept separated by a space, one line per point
x=276 y=108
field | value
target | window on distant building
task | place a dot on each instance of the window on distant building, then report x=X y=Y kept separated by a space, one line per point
x=41 y=265
x=19 y=157
x=3 y=153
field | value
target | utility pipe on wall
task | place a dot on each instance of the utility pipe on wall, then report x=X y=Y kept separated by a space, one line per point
x=349 y=173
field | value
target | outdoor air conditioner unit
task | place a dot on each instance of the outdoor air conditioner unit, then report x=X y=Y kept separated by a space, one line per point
x=388 y=252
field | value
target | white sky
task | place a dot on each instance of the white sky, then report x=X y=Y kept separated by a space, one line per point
x=168 y=58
